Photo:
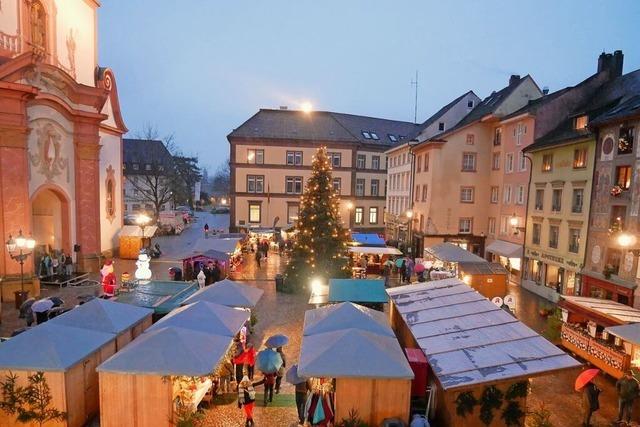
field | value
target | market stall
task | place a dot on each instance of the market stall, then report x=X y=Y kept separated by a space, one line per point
x=229 y=293
x=373 y=257
x=474 y=349
x=446 y=256
x=227 y=252
x=123 y=320
x=133 y=238
x=169 y=369
x=585 y=331
x=488 y=278
x=377 y=386
x=202 y=316
x=161 y=296
x=68 y=357
x=367 y=292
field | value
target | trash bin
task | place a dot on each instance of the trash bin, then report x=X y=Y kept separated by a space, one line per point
x=279 y=282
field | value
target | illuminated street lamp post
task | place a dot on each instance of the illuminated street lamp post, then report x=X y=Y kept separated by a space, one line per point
x=24 y=247
x=143 y=220
x=626 y=241
x=409 y=215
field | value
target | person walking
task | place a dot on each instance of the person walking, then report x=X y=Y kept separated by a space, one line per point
x=68 y=265
x=268 y=380
x=246 y=399
x=386 y=272
x=590 y=403
x=202 y=279
x=403 y=271
x=250 y=359
x=206 y=231
x=226 y=373
x=258 y=257
x=410 y=266
x=280 y=372
x=628 y=390
x=215 y=272
x=302 y=391
x=238 y=360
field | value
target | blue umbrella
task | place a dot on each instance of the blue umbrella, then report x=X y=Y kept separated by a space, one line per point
x=276 y=341
x=292 y=376
x=268 y=361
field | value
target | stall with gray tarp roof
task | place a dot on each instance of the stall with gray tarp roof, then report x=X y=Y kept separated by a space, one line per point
x=469 y=342
x=229 y=293
x=205 y=317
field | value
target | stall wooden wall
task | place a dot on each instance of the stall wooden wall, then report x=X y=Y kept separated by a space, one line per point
x=489 y=285
x=374 y=399
x=135 y=400
x=74 y=391
x=132 y=333
x=403 y=333
x=446 y=408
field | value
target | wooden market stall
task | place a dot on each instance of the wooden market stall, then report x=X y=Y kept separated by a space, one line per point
x=123 y=320
x=68 y=357
x=375 y=257
x=488 y=278
x=335 y=340
x=161 y=296
x=133 y=238
x=226 y=251
x=585 y=331
x=472 y=348
x=229 y=293
x=446 y=257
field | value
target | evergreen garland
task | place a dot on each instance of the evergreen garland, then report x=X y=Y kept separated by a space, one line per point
x=491 y=399
x=320 y=245
x=512 y=414
x=465 y=403
x=517 y=390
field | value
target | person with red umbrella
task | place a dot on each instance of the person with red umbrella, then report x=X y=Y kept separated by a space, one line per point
x=590 y=394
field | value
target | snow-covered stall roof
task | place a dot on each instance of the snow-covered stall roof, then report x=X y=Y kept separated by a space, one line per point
x=50 y=347
x=136 y=231
x=346 y=315
x=468 y=340
x=103 y=315
x=229 y=293
x=612 y=310
x=207 y=317
x=629 y=332
x=169 y=351
x=448 y=252
x=352 y=353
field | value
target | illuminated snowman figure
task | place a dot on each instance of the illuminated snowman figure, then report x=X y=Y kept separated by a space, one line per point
x=143 y=272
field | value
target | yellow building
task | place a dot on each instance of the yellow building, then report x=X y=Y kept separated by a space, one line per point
x=558 y=212
x=271 y=156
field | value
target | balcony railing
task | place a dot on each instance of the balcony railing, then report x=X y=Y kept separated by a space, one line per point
x=9 y=42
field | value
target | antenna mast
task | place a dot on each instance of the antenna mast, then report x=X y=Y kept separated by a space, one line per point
x=415 y=104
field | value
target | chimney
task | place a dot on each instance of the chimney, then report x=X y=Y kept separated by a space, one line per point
x=284 y=107
x=616 y=64
x=604 y=61
x=515 y=78
x=545 y=90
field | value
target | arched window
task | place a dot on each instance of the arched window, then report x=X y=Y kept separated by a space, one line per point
x=111 y=210
x=38 y=21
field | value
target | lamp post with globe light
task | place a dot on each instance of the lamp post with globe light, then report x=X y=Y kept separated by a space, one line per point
x=142 y=220
x=409 y=215
x=626 y=241
x=19 y=250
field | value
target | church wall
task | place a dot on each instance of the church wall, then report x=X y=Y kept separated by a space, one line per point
x=63 y=178
x=9 y=18
x=110 y=166
x=76 y=33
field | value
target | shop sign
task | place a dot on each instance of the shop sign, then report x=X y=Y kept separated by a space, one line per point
x=554 y=258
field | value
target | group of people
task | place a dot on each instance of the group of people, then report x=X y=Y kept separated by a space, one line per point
x=628 y=390
x=53 y=263
x=209 y=274
x=261 y=249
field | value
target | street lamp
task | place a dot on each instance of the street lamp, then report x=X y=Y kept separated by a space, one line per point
x=350 y=208
x=142 y=220
x=513 y=221
x=626 y=241
x=409 y=215
x=24 y=247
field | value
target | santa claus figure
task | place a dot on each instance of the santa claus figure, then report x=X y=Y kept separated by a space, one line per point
x=108 y=278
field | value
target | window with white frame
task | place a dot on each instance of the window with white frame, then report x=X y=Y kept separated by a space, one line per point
x=520 y=195
x=519 y=132
x=539 y=205
x=466 y=194
x=293 y=185
x=424 y=193
x=508 y=163
x=471 y=139
x=255 y=156
x=577 y=200
x=375 y=187
x=495 y=194
x=294 y=158
x=495 y=164
x=375 y=162
x=465 y=225
x=361 y=161
x=506 y=194
x=556 y=200
x=359 y=215
x=255 y=183
x=492 y=225
x=292 y=213
x=522 y=162
x=360 y=187
x=554 y=234
x=336 y=159
x=373 y=215
x=337 y=185
x=535 y=236
x=504 y=225
x=469 y=162
x=254 y=212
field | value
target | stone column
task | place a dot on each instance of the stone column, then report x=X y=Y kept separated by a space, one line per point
x=87 y=185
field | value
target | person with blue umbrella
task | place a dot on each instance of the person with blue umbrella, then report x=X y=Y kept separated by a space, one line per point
x=268 y=362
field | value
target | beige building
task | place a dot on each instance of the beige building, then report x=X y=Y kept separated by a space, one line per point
x=271 y=157
x=452 y=186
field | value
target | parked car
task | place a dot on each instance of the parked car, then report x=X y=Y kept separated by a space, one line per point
x=220 y=210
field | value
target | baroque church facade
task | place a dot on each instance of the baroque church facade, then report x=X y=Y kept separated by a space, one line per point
x=60 y=134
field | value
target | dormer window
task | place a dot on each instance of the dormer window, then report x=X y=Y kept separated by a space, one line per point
x=441 y=126
x=366 y=135
x=136 y=166
x=392 y=138
x=470 y=103
x=581 y=122
x=625 y=140
x=374 y=136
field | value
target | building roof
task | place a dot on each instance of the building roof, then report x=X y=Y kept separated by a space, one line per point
x=612 y=101
x=51 y=347
x=482 y=268
x=322 y=126
x=346 y=315
x=357 y=290
x=629 y=332
x=438 y=114
x=352 y=353
x=229 y=293
x=169 y=351
x=504 y=248
x=203 y=316
x=612 y=310
x=448 y=252
x=144 y=151
x=470 y=341
x=103 y=315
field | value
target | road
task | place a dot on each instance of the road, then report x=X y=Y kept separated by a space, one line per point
x=174 y=246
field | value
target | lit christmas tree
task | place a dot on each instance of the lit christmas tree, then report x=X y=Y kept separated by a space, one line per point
x=320 y=245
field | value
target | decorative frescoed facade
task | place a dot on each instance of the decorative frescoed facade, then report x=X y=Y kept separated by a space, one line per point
x=60 y=133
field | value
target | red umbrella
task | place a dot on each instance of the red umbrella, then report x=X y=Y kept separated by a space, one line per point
x=585 y=378
x=419 y=268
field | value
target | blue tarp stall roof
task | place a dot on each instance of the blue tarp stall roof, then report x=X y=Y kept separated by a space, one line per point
x=337 y=317
x=357 y=290
x=629 y=333
x=367 y=239
x=205 y=317
x=468 y=340
x=50 y=347
x=352 y=353
x=169 y=351
x=229 y=293
x=448 y=252
x=103 y=315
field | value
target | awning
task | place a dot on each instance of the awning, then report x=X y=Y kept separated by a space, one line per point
x=386 y=250
x=357 y=290
x=505 y=249
x=136 y=231
x=629 y=333
x=614 y=312
x=448 y=252
x=368 y=239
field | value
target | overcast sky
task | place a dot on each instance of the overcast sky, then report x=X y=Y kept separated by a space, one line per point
x=200 y=68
